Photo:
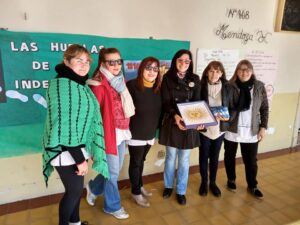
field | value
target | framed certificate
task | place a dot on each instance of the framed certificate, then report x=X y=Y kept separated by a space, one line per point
x=195 y=114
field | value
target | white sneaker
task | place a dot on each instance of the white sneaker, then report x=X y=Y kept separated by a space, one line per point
x=140 y=200
x=90 y=197
x=120 y=214
x=145 y=192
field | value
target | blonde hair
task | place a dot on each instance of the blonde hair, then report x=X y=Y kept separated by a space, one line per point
x=74 y=51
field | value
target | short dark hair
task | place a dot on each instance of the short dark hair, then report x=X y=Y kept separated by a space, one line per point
x=204 y=79
x=217 y=65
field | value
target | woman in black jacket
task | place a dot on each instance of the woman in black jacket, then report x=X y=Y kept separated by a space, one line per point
x=215 y=92
x=179 y=85
x=145 y=92
x=248 y=125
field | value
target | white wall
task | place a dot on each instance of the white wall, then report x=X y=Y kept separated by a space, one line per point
x=193 y=20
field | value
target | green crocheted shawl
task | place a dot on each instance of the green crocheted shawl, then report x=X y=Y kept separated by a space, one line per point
x=73 y=119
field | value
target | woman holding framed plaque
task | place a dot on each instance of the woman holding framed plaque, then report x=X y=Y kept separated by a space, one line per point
x=179 y=85
x=248 y=125
x=215 y=92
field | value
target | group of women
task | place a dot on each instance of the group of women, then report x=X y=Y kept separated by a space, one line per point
x=95 y=118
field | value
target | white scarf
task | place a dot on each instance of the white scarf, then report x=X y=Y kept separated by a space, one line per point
x=118 y=84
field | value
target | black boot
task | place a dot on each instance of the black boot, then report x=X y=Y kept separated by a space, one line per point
x=231 y=186
x=256 y=193
x=167 y=192
x=214 y=189
x=203 y=189
x=181 y=199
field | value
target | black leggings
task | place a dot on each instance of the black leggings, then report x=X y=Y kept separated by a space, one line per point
x=249 y=153
x=136 y=166
x=70 y=202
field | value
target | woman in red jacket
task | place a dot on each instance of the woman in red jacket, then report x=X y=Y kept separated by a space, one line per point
x=116 y=106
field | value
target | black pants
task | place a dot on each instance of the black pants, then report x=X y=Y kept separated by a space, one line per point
x=209 y=149
x=136 y=166
x=249 y=153
x=70 y=202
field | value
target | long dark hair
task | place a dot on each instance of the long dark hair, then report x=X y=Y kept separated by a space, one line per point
x=101 y=59
x=217 y=65
x=178 y=54
x=140 y=82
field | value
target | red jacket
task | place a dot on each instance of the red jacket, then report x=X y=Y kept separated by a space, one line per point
x=111 y=112
x=103 y=96
x=121 y=122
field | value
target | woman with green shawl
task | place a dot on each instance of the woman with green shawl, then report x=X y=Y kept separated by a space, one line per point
x=73 y=131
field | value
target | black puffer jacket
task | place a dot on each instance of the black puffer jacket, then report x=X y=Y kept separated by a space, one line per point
x=173 y=91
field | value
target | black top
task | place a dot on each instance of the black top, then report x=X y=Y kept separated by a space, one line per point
x=173 y=91
x=147 y=112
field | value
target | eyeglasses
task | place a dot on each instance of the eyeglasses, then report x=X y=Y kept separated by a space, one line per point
x=186 y=61
x=153 y=68
x=244 y=69
x=114 y=62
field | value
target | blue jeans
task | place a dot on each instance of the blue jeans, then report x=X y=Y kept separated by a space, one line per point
x=109 y=188
x=182 y=170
